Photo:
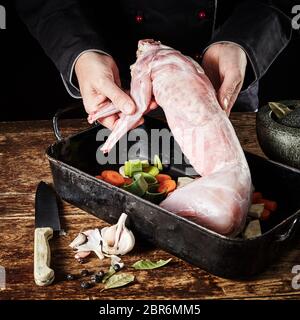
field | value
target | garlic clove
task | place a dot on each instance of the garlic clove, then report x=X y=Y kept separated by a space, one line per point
x=93 y=243
x=82 y=254
x=79 y=240
x=127 y=242
x=108 y=233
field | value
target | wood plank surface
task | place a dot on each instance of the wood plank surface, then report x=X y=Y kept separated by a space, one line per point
x=23 y=164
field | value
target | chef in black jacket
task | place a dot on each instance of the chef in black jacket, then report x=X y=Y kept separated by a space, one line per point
x=92 y=43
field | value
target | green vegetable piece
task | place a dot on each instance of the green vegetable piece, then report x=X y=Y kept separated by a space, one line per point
x=279 y=109
x=122 y=171
x=153 y=188
x=152 y=195
x=132 y=166
x=145 y=163
x=157 y=162
x=147 y=264
x=148 y=177
x=108 y=274
x=155 y=197
x=152 y=170
x=118 y=280
x=127 y=169
x=137 y=187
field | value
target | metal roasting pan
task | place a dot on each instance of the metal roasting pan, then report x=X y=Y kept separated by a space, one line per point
x=73 y=165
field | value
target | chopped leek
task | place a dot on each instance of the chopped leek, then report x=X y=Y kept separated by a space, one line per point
x=152 y=170
x=148 y=177
x=157 y=162
x=122 y=171
x=132 y=166
x=138 y=187
x=145 y=163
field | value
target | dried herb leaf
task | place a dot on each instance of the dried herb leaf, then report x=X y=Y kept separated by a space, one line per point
x=118 y=280
x=147 y=264
x=108 y=274
x=279 y=109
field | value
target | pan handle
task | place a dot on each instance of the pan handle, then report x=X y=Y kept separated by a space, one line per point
x=289 y=233
x=57 y=116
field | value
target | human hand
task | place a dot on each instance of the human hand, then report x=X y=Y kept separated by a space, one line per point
x=99 y=83
x=225 y=65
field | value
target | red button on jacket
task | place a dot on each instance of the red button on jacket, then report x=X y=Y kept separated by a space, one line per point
x=139 y=18
x=201 y=14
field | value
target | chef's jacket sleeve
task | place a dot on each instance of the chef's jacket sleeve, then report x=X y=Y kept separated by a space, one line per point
x=63 y=32
x=261 y=28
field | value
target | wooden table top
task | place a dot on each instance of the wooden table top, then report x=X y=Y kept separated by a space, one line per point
x=23 y=164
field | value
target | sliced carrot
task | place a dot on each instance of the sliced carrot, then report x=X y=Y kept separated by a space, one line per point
x=256 y=197
x=167 y=186
x=99 y=177
x=162 y=177
x=128 y=180
x=113 y=177
x=265 y=215
x=269 y=204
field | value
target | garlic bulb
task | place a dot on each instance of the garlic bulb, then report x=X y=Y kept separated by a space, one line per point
x=118 y=239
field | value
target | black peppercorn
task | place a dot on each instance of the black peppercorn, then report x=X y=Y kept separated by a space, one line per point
x=85 y=285
x=96 y=278
x=100 y=274
x=70 y=277
x=84 y=273
x=117 y=267
x=81 y=261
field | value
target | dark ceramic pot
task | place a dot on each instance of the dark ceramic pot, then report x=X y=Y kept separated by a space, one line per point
x=279 y=142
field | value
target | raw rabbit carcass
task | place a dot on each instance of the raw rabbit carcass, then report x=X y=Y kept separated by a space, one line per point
x=220 y=199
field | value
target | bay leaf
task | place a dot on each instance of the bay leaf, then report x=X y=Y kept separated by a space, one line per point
x=148 y=264
x=118 y=280
x=108 y=274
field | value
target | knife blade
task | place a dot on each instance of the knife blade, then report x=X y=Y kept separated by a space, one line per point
x=46 y=221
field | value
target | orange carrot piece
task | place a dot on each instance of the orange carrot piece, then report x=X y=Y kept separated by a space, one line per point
x=162 y=177
x=99 y=177
x=269 y=204
x=256 y=197
x=113 y=177
x=167 y=186
x=265 y=215
x=128 y=180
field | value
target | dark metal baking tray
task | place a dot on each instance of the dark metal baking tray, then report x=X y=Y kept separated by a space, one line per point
x=73 y=165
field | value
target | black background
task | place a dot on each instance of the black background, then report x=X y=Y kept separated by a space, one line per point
x=31 y=87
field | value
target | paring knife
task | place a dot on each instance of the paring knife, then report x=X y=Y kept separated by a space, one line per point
x=46 y=221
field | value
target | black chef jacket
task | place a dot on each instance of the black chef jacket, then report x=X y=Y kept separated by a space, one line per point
x=67 y=28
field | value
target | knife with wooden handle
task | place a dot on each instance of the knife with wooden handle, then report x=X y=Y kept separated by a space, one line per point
x=46 y=221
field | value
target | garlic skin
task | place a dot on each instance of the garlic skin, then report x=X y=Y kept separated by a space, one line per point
x=117 y=239
x=115 y=260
